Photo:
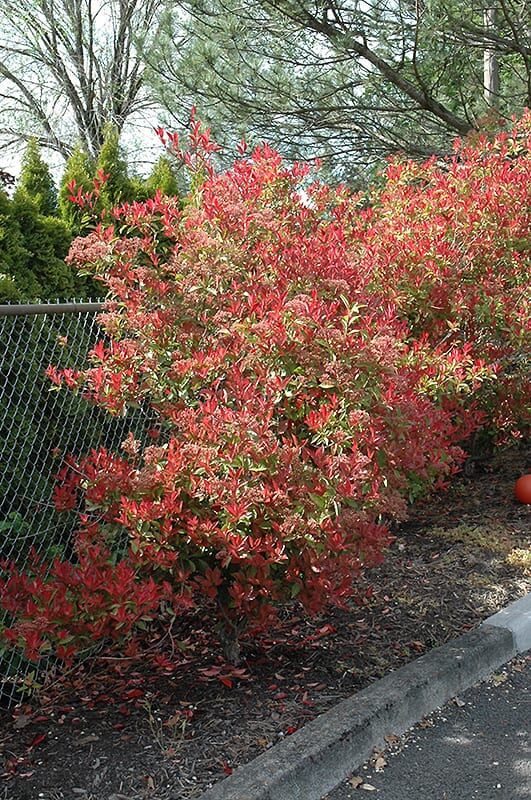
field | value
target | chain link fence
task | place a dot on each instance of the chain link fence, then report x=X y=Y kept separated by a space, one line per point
x=39 y=427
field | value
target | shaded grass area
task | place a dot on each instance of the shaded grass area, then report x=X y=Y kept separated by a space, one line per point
x=116 y=729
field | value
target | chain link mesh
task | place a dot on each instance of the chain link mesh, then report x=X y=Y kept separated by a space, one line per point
x=39 y=427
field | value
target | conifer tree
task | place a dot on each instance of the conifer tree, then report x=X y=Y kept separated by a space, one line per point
x=139 y=190
x=14 y=256
x=164 y=178
x=79 y=170
x=118 y=187
x=36 y=181
x=9 y=292
x=32 y=252
x=45 y=275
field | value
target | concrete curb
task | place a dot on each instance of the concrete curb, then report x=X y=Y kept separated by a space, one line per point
x=315 y=759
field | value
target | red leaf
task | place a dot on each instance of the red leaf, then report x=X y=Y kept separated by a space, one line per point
x=133 y=694
x=326 y=630
x=39 y=739
x=210 y=672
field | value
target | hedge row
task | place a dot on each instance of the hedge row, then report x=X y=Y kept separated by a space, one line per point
x=314 y=359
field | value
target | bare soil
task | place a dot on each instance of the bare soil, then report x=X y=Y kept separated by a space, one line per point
x=118 y=729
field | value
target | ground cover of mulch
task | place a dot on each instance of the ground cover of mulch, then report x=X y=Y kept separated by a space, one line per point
x=119 y=730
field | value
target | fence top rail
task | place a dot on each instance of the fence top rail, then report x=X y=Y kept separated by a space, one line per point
x=30 y=309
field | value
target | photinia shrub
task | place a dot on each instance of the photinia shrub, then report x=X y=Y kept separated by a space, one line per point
x=312 y=365
x=449 y=245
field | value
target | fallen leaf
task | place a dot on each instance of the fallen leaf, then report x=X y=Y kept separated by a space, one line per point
x=11 y=766
x=21 y=721
x=459 y=703
x=368 y=787
x=380 y=763
x=392 y=738
x=326 y=629
x=210 y=672
x=133 y=694
x=88 y=739
x=239 y=672
x=355 y=781
x=500 y=678
x=175 y=719
x=39 y=739
x=262 y=742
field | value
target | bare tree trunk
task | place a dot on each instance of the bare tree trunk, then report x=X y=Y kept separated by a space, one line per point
x=69 y=67
x=491 y=72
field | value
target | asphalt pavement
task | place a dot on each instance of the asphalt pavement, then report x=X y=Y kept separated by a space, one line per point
x=477 y=747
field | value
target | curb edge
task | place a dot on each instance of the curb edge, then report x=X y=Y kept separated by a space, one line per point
x=317 y=757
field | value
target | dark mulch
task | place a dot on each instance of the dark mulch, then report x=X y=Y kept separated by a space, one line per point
x=115 y=730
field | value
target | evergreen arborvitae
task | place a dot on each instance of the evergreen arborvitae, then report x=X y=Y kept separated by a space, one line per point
x=139 y=191
x=9 y=292
x=47 y=239
x=118 y=187
x=163 y=177
x=36 y=181
x=79 y=169
x=15 y=258
x=32 y=254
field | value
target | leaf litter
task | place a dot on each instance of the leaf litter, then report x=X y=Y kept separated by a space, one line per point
x=192 y=721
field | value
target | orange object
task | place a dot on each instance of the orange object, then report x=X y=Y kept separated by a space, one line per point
x=522 y=489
